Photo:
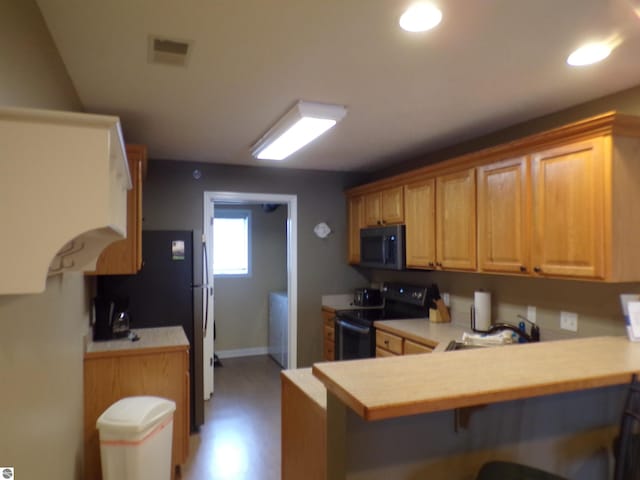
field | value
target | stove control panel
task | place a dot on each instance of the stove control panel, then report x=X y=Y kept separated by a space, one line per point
x=411 y=294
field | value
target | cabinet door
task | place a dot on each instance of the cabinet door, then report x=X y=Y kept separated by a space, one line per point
x=372 y=209
x=568 y=210
x=503 y=223
x=356 y=222
x=420 y=224
x=456 y=220
x=125 y=256
x=414 y=348
x=392 y=200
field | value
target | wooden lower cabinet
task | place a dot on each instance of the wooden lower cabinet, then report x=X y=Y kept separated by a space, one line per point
x=390 y=345
x=110 y=376
x=328 y=336
x=304 y=426
x=413 y=348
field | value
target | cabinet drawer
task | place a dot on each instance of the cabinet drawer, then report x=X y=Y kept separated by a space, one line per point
x=329 y=349
x=328 y=318
x=411 y=348
x=390 y=342
x=381 y=352
x=329 y=333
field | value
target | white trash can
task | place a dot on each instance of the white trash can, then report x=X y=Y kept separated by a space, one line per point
x=135 y=439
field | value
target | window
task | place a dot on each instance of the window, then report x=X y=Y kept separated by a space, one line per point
x=231 y=242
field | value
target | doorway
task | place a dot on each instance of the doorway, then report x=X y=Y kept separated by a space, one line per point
x=226 y=198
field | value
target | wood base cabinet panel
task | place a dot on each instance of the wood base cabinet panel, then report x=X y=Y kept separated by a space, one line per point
x=328 y=337
x=110 y=377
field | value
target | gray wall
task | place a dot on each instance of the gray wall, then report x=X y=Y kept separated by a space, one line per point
x=626 y=101
x=41 y=336
x=597 y=304
x=242 y=303
x=173 y=199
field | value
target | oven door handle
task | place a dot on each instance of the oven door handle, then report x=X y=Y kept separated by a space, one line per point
x=352 y=327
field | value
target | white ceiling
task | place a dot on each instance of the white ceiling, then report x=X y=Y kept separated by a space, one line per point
x=490 y=64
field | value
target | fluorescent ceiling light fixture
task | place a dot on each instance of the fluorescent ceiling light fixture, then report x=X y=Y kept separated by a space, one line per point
x=589 y=54
x=420 y=17
x=305 y=122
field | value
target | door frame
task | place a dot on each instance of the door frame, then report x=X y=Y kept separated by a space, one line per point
x=210 y=198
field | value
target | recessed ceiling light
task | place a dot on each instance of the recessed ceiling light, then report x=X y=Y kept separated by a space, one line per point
x=420 y=17
x=589 y=54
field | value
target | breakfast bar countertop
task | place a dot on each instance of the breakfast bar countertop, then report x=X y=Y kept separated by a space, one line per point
x=381 y=388
x=159 y=338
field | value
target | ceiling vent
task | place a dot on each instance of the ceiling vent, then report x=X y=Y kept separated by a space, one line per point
x=169 y=52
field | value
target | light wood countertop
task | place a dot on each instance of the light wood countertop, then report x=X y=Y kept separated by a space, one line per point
x=390 y=387
x=435 y=335
x=159 y=338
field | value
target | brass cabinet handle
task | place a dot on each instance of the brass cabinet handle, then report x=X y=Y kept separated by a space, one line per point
x=523 y=268
x=537 y=269
x=431 y=264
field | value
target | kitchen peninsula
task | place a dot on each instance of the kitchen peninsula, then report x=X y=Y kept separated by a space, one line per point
x=554 y=405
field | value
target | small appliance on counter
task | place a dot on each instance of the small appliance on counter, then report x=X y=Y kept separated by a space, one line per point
x=367 y=297
x=111 y=318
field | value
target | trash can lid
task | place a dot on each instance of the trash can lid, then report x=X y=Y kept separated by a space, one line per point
x=135 y=414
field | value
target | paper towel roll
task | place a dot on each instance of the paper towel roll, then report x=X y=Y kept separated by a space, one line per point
x=482 y=304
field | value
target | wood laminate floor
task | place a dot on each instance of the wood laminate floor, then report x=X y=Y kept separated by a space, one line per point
x=240 y=439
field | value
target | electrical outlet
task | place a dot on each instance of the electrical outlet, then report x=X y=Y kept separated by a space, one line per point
x=569 y=321
x=531 y=313
x=446 y=299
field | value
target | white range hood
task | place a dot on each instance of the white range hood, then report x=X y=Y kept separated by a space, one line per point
x=63 y=183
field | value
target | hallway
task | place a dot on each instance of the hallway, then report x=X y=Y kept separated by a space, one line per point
x=240 y=439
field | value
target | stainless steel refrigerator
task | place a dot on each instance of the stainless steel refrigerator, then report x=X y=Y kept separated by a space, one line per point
x=167 y=292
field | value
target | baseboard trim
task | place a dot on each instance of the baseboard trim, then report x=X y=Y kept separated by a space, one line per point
x=242 y=352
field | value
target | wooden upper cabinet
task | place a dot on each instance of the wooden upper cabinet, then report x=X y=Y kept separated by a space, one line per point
x=503 y=217
x=568 y=188
x=559 y=204
x=456 y=220
x=124 y=257
x=356 y=222
x=420 y=222
x=373 y=209
x=384 y=207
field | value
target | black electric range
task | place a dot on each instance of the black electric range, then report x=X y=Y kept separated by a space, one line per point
x=354 y=331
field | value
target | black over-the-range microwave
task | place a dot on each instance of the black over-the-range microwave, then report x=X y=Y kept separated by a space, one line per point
x=382 y=247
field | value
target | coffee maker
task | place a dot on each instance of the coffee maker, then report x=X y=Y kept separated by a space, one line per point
x=111 y=318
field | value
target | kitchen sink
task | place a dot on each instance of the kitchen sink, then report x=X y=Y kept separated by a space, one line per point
x=454 y=345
